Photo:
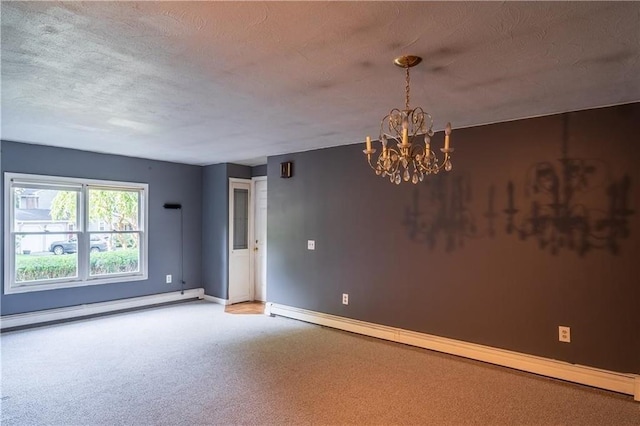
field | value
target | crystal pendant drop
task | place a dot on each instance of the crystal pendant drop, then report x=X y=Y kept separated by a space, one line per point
x=391 y=178
x=414 y=179
x=448 y=166
x=421 y=178
x=378 y=172
x=406 y=175
x=398 y=179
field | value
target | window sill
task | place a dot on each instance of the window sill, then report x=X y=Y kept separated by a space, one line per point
x=73 y=284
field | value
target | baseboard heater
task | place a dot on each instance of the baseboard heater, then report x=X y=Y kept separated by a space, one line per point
x=51 y=315
x=625 y=383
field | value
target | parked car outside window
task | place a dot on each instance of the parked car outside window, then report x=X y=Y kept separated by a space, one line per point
x=71 y=246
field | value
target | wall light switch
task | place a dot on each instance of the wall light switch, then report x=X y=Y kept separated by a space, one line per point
x=311 y=245
x=169 y=279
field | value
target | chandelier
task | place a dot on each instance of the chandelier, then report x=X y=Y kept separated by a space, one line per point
x=402 y=156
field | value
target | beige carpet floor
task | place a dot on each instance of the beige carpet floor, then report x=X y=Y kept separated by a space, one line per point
x=191 y=364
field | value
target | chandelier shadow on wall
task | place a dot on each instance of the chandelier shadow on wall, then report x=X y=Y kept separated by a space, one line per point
x=556 y=216
x=403 y=157
x=442 y=210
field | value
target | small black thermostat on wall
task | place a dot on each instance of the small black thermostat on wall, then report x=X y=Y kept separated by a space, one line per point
x=286 y=169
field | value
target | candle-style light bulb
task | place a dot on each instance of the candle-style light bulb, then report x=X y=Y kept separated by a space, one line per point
x=447 y=133
x=368 y=143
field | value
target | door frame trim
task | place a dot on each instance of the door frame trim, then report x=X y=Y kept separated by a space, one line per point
x=252 y=205
x=250 y=236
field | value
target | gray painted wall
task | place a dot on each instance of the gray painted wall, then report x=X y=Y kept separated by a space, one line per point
x=215 y=230
x=215 y=226
x=437 y=258
x=168 y=182
x=260 y=170
x=238 y=171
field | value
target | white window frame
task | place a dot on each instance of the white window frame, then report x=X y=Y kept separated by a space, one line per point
x=84 y=278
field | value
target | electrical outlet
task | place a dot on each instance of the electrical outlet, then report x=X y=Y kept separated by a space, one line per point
x=169 y=279
x=564 y=334
x=345 y=299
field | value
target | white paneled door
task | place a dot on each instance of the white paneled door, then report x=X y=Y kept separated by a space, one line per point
x=240 y=258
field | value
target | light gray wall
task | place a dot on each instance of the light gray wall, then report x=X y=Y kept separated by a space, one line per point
x=168 y=182
x=449 y=267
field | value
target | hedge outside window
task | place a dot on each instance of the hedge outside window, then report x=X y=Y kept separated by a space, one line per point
x=66 y=232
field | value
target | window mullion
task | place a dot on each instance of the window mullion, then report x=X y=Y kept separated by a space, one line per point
x=83 y=239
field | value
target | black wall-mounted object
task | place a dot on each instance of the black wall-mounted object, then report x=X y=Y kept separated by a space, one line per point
x=286 y=169
x=172 y=206
x=177 y=206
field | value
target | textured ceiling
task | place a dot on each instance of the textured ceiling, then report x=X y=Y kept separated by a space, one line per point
x=211 y=82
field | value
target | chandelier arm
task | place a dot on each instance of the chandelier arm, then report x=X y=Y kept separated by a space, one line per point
x=394 y=164
x=422 y=125
x=394 y=122
x=393 y=152
x=441 y=164
x=417 y=150
x=417 y=159
x=418 y=124
x=369 y=161
x=424 y=163
x=392 y=140
x=436 y=165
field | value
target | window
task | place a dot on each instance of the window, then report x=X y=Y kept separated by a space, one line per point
x=240 y=219
x=66 y=232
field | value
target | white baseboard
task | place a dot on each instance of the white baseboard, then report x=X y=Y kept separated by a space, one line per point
x=625 y=383
x=30 y=318
x=217 y=300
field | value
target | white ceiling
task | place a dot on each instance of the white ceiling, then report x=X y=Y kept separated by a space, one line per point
x=211 y=82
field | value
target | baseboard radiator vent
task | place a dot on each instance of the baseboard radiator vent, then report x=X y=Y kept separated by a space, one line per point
x=52 y=315
x=618 y=382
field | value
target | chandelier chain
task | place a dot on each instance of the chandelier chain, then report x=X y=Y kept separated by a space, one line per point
x=406 y=91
